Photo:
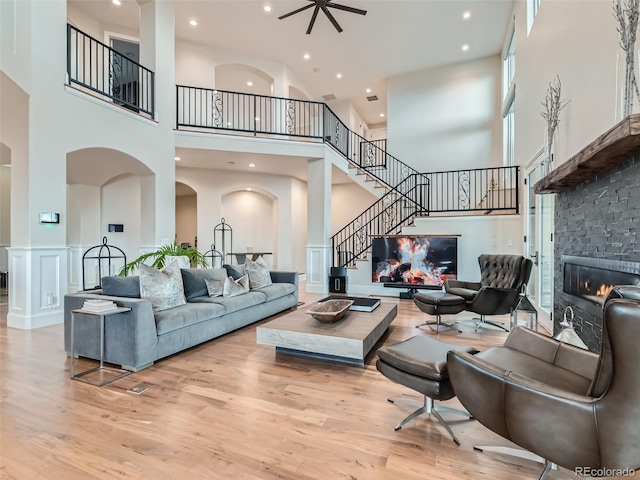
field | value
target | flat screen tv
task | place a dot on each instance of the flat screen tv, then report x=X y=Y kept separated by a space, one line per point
x=414 y=261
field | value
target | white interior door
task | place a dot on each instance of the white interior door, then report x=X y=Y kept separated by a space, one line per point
x=539 y=247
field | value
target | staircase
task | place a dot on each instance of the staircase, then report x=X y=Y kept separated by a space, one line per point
x=403 y=192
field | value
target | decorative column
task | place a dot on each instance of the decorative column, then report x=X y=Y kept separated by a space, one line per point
x=32 y=130
x=318 y=225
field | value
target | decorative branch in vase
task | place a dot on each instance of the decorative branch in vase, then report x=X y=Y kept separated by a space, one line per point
x=553 y=104
x=627 y=13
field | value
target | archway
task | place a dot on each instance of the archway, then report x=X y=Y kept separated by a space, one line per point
x=186 y=215
x=109 y=194
x=253 y=215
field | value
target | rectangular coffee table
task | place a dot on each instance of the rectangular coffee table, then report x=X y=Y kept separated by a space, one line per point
x=347 y=340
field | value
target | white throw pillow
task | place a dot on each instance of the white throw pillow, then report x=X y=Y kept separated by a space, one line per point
x=162 y=288
x=214 y=287
x=258 y=271
x=233 y=287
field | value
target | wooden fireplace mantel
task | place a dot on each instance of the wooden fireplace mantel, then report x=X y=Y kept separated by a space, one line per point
x=612 y=148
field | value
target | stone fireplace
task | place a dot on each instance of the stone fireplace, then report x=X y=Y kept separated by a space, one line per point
x=597 y=226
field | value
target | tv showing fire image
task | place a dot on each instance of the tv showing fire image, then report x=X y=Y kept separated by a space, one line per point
x=414 y=260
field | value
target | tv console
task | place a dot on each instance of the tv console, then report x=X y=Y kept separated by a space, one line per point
x=411 y=289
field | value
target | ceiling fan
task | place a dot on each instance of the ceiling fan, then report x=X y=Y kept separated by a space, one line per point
x=322 y=5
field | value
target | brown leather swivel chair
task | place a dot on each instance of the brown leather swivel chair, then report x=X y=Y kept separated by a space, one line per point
x=569 y=406
x=502 y=278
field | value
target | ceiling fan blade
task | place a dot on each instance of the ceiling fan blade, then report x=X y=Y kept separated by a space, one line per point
x=313 y=19
x=302 y=9
x=346 y=9
x=331 y=19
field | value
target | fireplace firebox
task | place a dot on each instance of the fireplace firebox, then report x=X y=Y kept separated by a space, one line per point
x=592 y=279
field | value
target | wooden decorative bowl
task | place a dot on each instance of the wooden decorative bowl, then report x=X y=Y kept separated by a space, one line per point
x=330 y=311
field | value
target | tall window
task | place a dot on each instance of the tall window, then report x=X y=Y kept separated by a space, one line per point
x=508 y=135
x=532 y=10
x=509 y=64
x=508 y=99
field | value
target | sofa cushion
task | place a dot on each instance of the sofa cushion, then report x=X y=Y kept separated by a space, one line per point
x=233 y=288
x=258 y=272
x=193 y=280
x=121 y=286
x=233 y=304
x=277 y=290
x=163 y=288
x=185 y=315
x=234 y=271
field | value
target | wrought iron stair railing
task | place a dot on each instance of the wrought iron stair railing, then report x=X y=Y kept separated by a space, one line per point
x=394 y=210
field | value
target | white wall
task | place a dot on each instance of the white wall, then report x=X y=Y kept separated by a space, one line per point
x=347 y=201
x=187 y=220
x=576 y=40
x=5 y=214
x=120 y=203
x=447 y=118
x=252 y=217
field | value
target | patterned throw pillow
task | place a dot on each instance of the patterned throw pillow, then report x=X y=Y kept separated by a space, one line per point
x=258 y=272
x=162 y=288
x=233 y=287
x=214 y=287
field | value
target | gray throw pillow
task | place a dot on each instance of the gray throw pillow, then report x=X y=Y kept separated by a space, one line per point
x=162 y=288
x=121 y=286
x=234 y=288
x=215 y=288
x=258 y=272
x=193 y=280
x=234 y=271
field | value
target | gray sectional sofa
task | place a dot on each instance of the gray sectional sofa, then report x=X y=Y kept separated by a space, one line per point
x=136 y=339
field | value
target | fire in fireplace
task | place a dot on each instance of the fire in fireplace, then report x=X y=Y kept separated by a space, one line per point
x=593 y=278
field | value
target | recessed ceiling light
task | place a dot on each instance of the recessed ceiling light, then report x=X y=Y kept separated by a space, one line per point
x=382 y=115
x=306 y=56
x=339 y=75
x=249 y=83
x=177 y=159
x=193 y=23
x=248 y=189
x=368 y=90
x=252 y=165
x=466 y=15
x=267 y=8
x=465 y=47
x=116 y=2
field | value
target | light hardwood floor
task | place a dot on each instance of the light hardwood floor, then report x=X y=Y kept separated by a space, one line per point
x=231 y=409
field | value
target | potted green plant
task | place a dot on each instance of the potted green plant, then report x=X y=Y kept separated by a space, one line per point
x=161 y=255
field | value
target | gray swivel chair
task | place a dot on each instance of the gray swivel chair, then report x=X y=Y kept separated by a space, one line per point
x=566 y=405
x=498 y=291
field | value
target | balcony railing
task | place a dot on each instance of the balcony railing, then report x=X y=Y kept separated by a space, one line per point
x=474 y=190
x=243 y=112
x=99 y=68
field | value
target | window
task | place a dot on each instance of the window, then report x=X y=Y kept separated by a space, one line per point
x=508 y=135
x=508 y=99
x=532 y=10
x=509 y=64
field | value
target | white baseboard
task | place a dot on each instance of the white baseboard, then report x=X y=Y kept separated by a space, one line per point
x=25 y=322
